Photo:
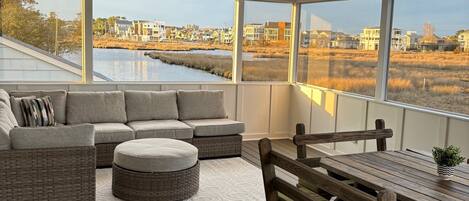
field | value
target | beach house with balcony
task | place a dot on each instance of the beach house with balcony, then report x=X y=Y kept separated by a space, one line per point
x=463 y=39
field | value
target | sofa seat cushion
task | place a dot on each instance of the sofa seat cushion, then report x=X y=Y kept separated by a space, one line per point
x=200 y=104
x=52 y=137
x=96 y=107
x=215 y=127
x=161 y=129
x=155 y=155
x=112 y=133
x=58 y=97
x=151 y=105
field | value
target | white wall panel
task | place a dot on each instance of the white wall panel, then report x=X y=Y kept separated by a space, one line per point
x=458 y=135
x=300 y=107
x=229 y=97
x=280 y=110
x=393 y=119
x=93 y=87
x=323 y=113
x=139 y=87
x=351 y=115
x=180 y=86
x=254 y=109
x=43 y=87
x=423 y=131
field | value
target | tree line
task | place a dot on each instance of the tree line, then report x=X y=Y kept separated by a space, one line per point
x=19 y=19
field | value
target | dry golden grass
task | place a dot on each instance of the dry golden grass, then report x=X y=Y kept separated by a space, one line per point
x=399 y=84
x=160 y=46
x=405 y=83
x=446 y=89
x=359 y=84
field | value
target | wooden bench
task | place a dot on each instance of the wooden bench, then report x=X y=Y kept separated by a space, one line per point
x=278 y=189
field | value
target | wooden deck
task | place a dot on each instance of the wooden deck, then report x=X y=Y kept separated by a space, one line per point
x=250 y=153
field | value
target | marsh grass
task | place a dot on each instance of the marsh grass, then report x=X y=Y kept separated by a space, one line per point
x=436 y=80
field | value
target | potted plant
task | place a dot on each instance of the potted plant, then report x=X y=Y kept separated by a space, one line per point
x=447 y=159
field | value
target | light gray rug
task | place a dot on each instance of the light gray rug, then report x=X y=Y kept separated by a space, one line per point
x=220 y=179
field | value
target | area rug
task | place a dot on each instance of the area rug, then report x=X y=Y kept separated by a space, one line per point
x=220 y=179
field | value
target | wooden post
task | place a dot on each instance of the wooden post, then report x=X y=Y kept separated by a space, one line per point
x=268 y=169
x=386 y=195
x=380 y=142
x=300 y=149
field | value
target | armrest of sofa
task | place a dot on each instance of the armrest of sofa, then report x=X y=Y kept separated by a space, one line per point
x=31 y=173
x=52 y=137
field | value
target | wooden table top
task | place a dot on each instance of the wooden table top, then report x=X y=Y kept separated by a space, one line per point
x=412 y=176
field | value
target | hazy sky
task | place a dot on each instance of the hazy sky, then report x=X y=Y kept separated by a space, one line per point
x=348 y=16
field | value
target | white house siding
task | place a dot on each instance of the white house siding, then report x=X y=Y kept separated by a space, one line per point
x=18 y=66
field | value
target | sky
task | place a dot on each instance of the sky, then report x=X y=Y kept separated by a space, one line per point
x=348 y=16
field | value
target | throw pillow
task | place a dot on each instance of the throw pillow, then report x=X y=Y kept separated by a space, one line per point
x=16 y=108
x=38 y=112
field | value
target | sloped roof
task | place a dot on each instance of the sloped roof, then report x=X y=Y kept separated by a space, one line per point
x=46 y=56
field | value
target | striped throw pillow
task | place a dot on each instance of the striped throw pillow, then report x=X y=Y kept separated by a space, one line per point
x=38 y=112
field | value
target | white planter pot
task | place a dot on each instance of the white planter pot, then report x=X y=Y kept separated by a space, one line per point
x=445 y=172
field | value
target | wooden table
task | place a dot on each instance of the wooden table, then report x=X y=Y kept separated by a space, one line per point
x=412 y=176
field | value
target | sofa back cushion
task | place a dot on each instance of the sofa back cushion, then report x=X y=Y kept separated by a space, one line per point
x=200 y=104
x=151 y=105
x=96 y=107
x=58 y=97
x=7 y=122
x=52 y=137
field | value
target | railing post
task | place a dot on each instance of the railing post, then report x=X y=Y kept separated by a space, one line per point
x=87 y=41
x=380 y=142
x=385 y=40
x=237 y=71
x=300 y=149
x=268 y=169
x=294 y=42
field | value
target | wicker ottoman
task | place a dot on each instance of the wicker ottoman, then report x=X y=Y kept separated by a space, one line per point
x=155 y=169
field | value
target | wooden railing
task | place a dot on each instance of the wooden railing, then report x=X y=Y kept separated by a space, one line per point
x=301 y=139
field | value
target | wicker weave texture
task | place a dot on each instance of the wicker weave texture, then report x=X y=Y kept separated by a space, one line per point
x=48 y=174
x=167 y=186
x=105 y=154
x=209 y=147
x=219 y=146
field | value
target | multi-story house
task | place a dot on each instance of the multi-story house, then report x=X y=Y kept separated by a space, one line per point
x=277 y=31
x=369 y=39
x=463 y=40
x=227 y=36
x=344 y=41
x=148 y=30
x=320 y=38
x=411 y=39
x=171 y=32
x=253 y=32
x=122 y=28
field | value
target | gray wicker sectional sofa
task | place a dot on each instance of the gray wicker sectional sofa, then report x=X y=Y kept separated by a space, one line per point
x=194 y=116
x=59 y=163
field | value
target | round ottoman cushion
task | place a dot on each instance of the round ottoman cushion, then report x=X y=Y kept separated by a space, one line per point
x=155 y=155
